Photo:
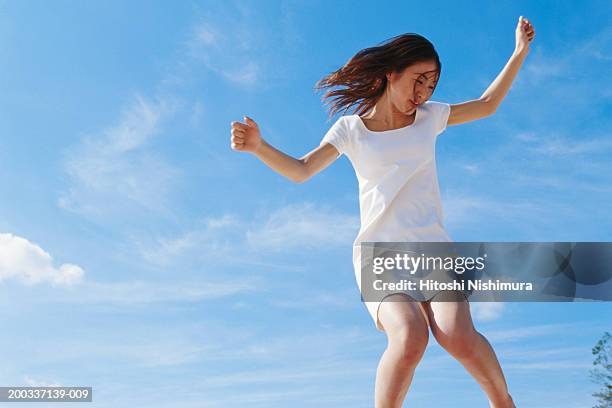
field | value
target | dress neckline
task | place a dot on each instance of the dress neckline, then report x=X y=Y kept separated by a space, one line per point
x=416 y=116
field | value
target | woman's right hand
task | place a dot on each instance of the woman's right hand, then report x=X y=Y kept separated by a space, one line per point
x=246 y=136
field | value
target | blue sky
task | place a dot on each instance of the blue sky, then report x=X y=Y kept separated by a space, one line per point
x=142 y=256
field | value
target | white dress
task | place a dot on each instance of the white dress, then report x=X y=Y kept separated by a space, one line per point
x=399 y=196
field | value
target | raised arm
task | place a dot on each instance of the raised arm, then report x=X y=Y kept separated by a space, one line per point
x=490 y=100
x=247 y=138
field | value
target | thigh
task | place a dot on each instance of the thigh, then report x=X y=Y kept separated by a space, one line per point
x=450 y=315
x=398 y=313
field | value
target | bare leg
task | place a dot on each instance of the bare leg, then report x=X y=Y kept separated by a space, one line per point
x=407 y=334
x=452 y=326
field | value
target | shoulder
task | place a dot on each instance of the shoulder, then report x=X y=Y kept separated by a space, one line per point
x=438 y=113
x=347 y=124
x=351 y=123
x=435 y=106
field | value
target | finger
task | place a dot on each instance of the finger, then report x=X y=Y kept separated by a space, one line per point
x=236 y=146
x=250 y=121
x=238 y=125
x=238 y=132
x=237 y=138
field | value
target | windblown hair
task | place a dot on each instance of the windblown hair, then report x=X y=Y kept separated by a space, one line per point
x=363 y=80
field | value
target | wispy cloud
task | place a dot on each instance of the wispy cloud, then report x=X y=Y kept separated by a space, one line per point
x=553 y=139
x=209 y=236
x=284 y=375
x=303 y=225
x=462 y=208
x=27 y=262
x=115 y=170
x=556 y=145
x=549 y=358
x=212 y=37
x=487 y=311
x=235 y=239
x=544 y=67
x=344 y=300
x=528 y=332
x=147 y=292
x=233 y=42
x=31 y=382
x=549 y=365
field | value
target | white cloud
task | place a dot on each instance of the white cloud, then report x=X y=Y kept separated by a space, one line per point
x=278 y=376
x=233 y=43
x=566 y=78
x=30 y=382
x=293 y=227
x=462 y=209
x=245 y=75
x=598 y=46
x=204 y=35
x=140 y=292
x=556 y=145
x=303 y=226
x=472 y=168
x=27 y=262
x=323 y=300
x=527 y=332
x=209 y=44
x=487 y=311
x=115 y=170
x=216 y=236
x=549 y=365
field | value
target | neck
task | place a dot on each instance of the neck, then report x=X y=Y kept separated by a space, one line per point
x=385 y=113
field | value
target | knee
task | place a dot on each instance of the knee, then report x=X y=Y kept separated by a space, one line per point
x=458 y=342
x=409 y=344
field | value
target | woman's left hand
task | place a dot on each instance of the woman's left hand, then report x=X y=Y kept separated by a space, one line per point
x=525 y=33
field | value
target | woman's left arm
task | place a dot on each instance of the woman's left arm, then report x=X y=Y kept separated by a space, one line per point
x=487 y=104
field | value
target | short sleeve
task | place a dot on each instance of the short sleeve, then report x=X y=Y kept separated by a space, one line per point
x=441 y=112
x=337 y=136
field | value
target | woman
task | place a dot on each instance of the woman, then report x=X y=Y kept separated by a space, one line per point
x=390 y=142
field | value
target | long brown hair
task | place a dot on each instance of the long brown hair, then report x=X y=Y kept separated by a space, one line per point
x=363 y=80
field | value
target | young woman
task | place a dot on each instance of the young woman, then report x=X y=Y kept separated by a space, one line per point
x=390 y=143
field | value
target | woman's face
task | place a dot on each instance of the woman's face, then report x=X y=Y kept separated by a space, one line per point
x=413 y=86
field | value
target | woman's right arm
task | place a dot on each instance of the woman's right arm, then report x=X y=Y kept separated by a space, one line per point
x=247 y=138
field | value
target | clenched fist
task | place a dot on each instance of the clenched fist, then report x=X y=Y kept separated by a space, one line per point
x=525 y=33
x=245 y=136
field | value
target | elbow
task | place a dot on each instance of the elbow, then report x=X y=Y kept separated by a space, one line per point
x=297 y=179
x=302 y=178
x=302 y=175
x=490 y=106
x=492 y=109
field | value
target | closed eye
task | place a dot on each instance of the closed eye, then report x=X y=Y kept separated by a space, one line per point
x=421 y=82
